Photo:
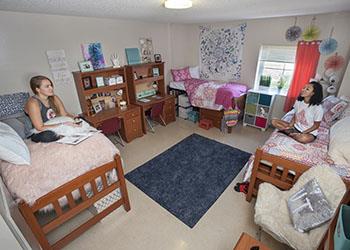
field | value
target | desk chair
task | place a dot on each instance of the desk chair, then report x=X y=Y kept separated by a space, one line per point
x=155 y=114
x=112 y=127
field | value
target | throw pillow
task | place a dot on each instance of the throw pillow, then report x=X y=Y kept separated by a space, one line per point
x=181 y=74
x=11 y=104
x=309 y=208
x=335 y=112
x=16 y=125
x=12 y=147
x=194 y=72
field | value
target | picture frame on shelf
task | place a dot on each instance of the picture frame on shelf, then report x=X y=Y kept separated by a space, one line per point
x=85 y=66
x=157 y=58
x=97 y=107
x=100 y=81
x=87 y=83
x=155 y=71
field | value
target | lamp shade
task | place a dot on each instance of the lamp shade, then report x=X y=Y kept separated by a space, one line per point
x=178 y=4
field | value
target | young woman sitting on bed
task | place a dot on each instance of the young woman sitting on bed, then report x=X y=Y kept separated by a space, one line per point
x=41 y=107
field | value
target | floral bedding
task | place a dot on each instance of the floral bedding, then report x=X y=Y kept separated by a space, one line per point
x=311 y=154
x=212 y=95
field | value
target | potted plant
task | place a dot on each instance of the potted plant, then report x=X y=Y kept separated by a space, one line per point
x=281 y=83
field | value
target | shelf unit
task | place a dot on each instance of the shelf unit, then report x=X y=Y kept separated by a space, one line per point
x=142 y=87
x=145 y=79
x=131 y=116
x=258 y=109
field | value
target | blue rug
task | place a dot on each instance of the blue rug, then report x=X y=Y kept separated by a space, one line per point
x=189 y=177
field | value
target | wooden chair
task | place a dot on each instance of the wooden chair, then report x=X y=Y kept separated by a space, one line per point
x=112 y=127
x=283 y=174
x=155 y=114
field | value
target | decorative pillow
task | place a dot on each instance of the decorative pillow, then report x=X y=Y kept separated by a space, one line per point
x=335 y=112
x=17 y=125
x=339 y=142
x=181 y=74
x=309 y=208
x=11 y=104
x=194 y=72
x=12 y=147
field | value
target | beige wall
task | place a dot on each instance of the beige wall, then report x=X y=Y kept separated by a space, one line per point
x=270 y=31
x=25 y=38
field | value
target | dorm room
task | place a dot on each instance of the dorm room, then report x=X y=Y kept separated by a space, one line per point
x=171 y=145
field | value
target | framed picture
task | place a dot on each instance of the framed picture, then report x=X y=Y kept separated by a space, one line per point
x=86 y=66
x=97 y=107
x=133 y=56
x=87 y=83
x=93 y=52
x=99 y=81
x=146 y=49
x=157 y=58
x=155 y=71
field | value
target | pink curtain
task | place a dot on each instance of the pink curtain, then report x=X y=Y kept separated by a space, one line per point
x=306 y=61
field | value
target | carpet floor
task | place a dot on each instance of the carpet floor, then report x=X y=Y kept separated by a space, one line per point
x=189 y=177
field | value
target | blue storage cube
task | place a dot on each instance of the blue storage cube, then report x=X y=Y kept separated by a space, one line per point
x=265 y=99
x=193 y=116
x=252 y=97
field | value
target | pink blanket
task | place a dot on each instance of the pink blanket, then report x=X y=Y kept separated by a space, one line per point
x=213 y=95
x=54 y=164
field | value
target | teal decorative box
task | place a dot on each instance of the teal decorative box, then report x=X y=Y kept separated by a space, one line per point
x=193 y=116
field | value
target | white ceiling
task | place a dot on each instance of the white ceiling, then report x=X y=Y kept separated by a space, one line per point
x=201 y=12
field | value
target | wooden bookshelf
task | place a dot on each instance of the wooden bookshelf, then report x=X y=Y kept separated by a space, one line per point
x=89 y=93
x=145 y=81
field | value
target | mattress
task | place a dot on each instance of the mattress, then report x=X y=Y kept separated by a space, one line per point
x=178 y=85
x=54 y=164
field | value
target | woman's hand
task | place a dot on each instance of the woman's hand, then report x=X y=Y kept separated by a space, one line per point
x=72 y=124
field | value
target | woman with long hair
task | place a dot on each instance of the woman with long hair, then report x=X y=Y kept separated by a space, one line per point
x=41 y=107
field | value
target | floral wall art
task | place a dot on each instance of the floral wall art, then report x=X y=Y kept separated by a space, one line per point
x=221 y=52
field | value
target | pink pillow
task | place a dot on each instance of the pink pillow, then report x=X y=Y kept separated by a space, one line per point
x=181 y=74
x=335 y=112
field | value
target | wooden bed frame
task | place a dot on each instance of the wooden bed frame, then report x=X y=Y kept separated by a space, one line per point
x=265 y=170
x=75 y=207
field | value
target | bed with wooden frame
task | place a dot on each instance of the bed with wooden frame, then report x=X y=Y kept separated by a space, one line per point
x=74 y=181
x=74 y=207
x=283 y=173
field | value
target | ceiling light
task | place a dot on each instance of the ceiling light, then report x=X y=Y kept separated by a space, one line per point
x=178 y=4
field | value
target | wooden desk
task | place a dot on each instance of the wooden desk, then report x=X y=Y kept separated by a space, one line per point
x=168 y=109
x=131 y=120
x=246 y=242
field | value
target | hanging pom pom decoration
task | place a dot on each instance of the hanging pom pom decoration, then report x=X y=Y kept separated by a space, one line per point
x=334 y=62
x=293 y=32
x=312 y=32
x=329 y=45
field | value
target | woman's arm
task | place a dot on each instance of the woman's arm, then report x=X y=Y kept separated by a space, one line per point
x=314 y=127
x=61 y=108
x=292 y=122
x=33 y=110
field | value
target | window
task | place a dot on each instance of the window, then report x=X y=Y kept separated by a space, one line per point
x=275 y=67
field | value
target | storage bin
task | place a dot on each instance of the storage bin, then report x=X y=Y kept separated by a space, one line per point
x=193 y=116
x=184 y=101
x=183 y=112
x=342 y=230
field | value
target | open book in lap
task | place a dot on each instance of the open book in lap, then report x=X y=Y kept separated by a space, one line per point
x=71 y=135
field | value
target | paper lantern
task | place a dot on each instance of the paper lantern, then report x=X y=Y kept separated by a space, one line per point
x=328 y=46
x=293 y=33
x=311 y=33
x=334 y=62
